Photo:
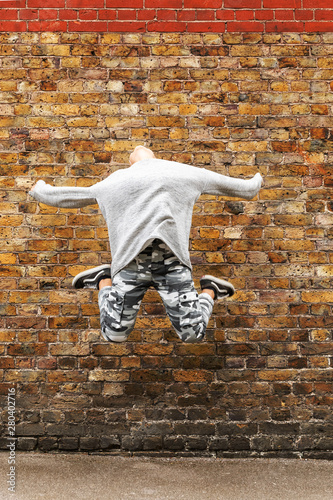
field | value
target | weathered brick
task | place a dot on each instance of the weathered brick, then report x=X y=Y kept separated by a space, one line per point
x=235 y=103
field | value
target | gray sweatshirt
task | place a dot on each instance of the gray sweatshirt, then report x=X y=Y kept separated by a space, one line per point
x=151 y=199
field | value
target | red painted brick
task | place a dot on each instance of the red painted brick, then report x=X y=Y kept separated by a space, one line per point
x=287 y=16
x=201 y=4
x=87 y=26
x=186 y=15
x=47 y=26
x=126 y=15
x=16 y=4
x=88 y=15
x=85 y=4
x=281 y=4
x=242 y=4
x=284 y=15
x=318 y=4
x=8 y=14
x=28 y=14
x=225 y=15
x=320 y=27
x=160 y=4
x=146 y=15
x=206 y=15
x=12 y=26
x=166 y=15
x=48 y=14
x=323 y=15
x=244 y=15
x=122 y=4
x=264 y=15
x=107 y=14
x=304 y=15
x=281 y=26
x=56 y=4
x=245 y=26
x=206 y=27
x=68 y=14
x=125 y=26
x=167 y=27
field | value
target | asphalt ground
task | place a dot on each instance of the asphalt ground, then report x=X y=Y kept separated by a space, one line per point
x=80 y=476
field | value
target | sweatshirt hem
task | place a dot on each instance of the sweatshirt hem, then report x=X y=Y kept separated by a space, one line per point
x=185 y=262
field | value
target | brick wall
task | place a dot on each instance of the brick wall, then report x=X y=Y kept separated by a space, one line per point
x=237 y=103
x=167 y=15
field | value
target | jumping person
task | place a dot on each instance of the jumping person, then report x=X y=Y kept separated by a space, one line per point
x=148 y=211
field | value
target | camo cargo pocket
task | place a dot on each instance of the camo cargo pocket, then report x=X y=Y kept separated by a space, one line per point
x=189 y=313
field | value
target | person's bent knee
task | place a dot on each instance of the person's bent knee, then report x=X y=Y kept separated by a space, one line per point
x=193 y=334
x=117 y=321
x=112 y=335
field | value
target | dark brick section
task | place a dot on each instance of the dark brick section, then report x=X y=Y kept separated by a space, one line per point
x=267 y=439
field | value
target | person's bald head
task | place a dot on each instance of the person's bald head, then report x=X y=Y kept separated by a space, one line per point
x=141 y=153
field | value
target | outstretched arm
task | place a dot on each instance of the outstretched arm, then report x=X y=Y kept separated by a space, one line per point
x=63 y=196
x=222 y=185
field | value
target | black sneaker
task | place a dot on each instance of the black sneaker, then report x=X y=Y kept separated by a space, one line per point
x=91 y=277
x=222 y=288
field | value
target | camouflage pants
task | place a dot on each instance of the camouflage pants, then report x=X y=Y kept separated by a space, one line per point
x=155 y=266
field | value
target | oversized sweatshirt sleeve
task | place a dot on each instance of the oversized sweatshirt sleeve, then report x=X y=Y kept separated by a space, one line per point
x=63 y=196
x=222 y=185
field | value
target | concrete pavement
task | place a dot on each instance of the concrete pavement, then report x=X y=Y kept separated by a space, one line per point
x=81 y=476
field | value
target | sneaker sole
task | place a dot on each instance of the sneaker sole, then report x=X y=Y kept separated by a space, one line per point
x=224 y=284
x=81 y=279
